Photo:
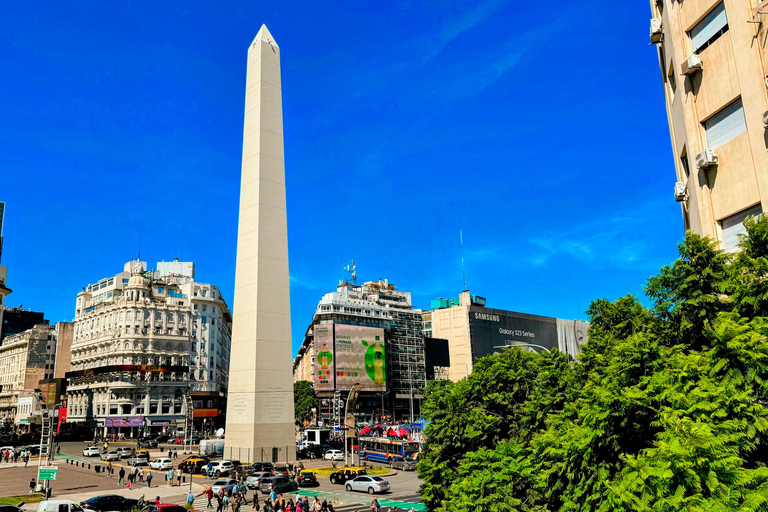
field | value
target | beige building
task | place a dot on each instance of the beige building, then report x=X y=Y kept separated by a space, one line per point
x=25 y=359
x=712 y=55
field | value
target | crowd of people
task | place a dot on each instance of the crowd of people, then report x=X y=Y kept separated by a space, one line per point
x=237 y=501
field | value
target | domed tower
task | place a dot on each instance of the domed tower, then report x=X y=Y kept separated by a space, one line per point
x=138 y=285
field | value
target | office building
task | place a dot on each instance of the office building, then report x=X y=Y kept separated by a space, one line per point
x=474 y=331
x=143 y=341
x=340 y=345
x=712 y=61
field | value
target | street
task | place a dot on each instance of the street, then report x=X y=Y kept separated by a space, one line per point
x=79 y=483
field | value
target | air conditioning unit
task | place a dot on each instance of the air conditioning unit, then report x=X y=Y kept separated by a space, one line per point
x=692 y=65
x=656 y=34
x=706 y=158
x=681 y=192
x=765 y=118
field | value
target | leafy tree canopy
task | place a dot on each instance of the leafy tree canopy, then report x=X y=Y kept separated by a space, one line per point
x=304 y=400
x=665 y=409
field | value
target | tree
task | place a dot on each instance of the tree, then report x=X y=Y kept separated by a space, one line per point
x=665 y=409
x=304 y=400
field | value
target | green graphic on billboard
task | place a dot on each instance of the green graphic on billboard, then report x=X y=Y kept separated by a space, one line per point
x=359 y=357
x=374 y=361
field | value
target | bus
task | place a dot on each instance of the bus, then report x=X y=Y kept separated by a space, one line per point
x=381 y=449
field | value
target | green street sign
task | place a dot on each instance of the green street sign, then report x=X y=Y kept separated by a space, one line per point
x=47 y=473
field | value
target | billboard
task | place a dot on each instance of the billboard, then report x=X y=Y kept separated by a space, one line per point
x=124 y=421
x=325 y=369
x=359 y=357
x=493 y=328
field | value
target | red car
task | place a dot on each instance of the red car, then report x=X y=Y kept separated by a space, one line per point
x=179 y=440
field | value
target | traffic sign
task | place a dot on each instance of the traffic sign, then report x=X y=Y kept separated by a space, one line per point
x=47 y=473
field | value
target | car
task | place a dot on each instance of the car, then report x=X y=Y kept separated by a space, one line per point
x=253 y=481
x=111 y=455
x=193 y=464
x=109 y=503
x=161 y=463
x=341 y=476
x=220 y=468
x=334 y=455
x=279 y=484
x=91 y=451
x=227 y=484
x=139 y=459
x=146 y=443
x=125 y=452
x=281 y=470
x=310 y=451
x=307 y=478
x=161 y=439
x=5 y=507
x=262 y=466
x=195 y=439
x=178 y=440
x=402 y=463
x=59 y=506
x=11 y=450
x=369 y=484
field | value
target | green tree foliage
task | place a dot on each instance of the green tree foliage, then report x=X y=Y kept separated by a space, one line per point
x=304 y=400
x=666 y=408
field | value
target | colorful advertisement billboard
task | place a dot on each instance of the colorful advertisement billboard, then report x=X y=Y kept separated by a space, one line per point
x=359 y=358
x=324 y=368
x=124 y=421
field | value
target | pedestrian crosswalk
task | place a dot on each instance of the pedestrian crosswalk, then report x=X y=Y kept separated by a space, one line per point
x=340 y=502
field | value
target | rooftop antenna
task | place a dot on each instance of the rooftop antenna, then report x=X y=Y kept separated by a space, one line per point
x=352 y=269
x=139 y=257
x=463 y=271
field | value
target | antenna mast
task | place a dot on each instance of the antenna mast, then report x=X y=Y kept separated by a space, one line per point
x=463 y=271
x=352 y=269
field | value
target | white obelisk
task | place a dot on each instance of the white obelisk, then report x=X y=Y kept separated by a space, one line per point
x=260 y=424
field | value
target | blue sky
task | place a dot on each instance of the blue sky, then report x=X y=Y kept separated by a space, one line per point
x=539 y=131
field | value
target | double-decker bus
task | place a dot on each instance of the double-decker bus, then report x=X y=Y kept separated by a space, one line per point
x=381 y=449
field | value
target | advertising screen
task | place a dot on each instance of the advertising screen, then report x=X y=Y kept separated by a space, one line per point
x=124 y=421
x=324 y=368
x=359 y=358
x=493 y=328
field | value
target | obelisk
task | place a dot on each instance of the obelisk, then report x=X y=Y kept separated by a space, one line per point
x=260 y=424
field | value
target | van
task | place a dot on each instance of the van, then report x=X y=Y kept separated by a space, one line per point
x=59 y=506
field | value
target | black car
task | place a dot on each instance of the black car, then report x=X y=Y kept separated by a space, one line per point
x=109 y=503
x=262 y=466
x=162 y=438
x=307 y=478
x=146 y=443
x=5 y=507
x=311 y=451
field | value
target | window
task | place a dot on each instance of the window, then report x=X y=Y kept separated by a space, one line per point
x=125 y=281
x=205 y=307
x=733 y=226
x=204 y=319
x=671 y=79
x=708 y=30
x=159 y=289
x=726 y=125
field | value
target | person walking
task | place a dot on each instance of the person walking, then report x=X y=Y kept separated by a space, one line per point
x=121 y=476
x=169 y=477
x=141 y=474
x=32 y=485
x=256 y=506
x=149 y=479
x=209 y=495
x=190 y=500
x=178 y=477
x=26 y=459
x=220 y=500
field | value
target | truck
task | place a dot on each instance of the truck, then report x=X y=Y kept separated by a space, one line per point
x=211 y=447
x=59 y=506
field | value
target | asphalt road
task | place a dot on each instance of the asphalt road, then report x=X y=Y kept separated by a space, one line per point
x=404 y=484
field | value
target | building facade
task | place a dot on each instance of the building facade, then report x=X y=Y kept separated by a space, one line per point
x=26 y=359
x=713 y=70
x=474 y=331
x=143 y=340
x=372 y=305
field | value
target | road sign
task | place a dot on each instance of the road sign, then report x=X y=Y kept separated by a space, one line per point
x=47 y=473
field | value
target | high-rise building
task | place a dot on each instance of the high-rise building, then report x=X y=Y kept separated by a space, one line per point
x=142 y=341
x=373 y=306
x=260 y=422
x=474 y=331
x=714 y=75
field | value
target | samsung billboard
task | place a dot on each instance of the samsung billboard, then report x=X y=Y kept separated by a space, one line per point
x=493 y=329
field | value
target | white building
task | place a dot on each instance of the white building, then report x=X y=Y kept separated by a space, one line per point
x=142 y=340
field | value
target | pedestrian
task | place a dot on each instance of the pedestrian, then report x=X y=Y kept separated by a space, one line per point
x=190 y=500
x=141 y=474
x=149 y=479
x=32 y=485
x=121 y=476
x=26 y=459
x=219 y=500
x=256 y=502
x=225 y=501
x=169 y=477
x=267 y=505
x=209 y=495
x=157 y=500
x=178 y=477
x=109 y=468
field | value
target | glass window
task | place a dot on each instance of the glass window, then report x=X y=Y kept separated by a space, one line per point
x=726 y=125
x=708 y=30
x=733 y=226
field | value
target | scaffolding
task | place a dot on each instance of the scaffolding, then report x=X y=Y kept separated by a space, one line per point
x=406 y=360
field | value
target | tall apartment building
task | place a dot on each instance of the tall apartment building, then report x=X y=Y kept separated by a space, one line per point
x=375 y=304
x=713 y=55
x=143 y=340
x=25 y=359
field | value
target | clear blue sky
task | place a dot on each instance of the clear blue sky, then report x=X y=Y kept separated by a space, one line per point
x=539 y=128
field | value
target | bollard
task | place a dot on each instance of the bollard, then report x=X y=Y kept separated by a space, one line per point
x=77 y=463
x=184 y=479
x=89 y=466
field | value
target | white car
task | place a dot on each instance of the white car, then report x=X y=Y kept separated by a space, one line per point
x=91 y=451
x=369 y=484
x=220 y=468
x=334 y=455
x=161 y=464
x=113 y=455
x=125 y=452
